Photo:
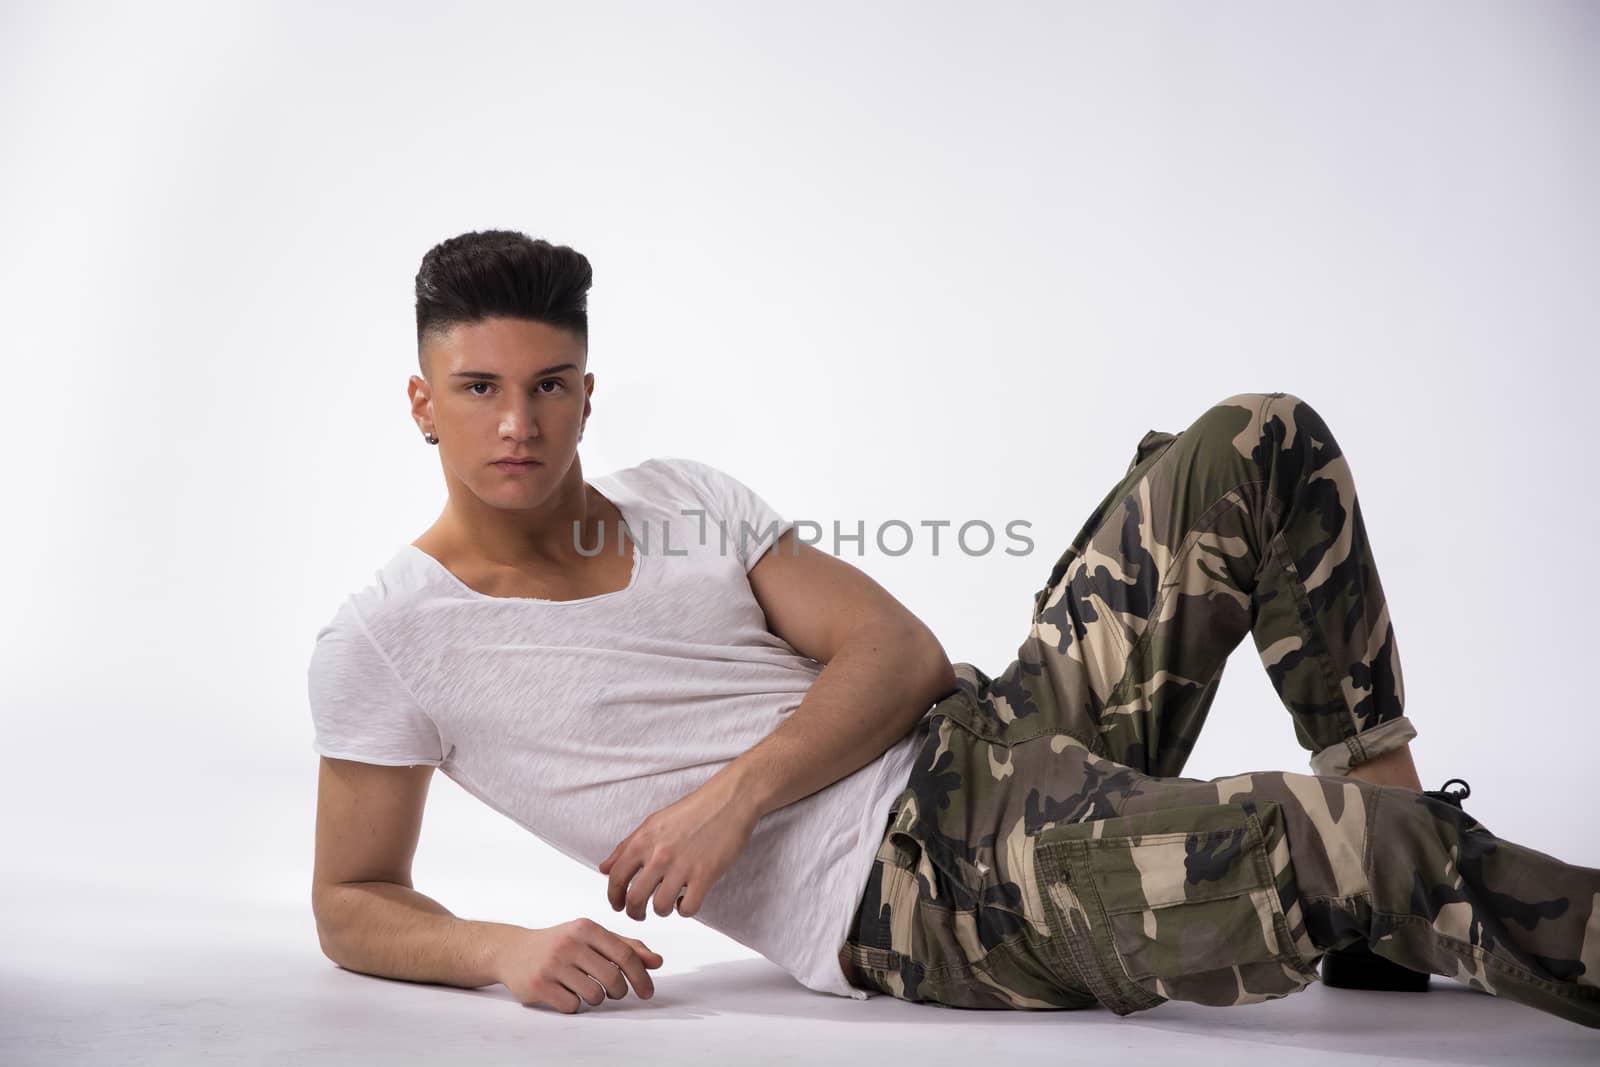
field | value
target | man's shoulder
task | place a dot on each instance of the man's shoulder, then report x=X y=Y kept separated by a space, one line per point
x=676 y=480
x=676 y=476
x=676 y=469
x=403 y=581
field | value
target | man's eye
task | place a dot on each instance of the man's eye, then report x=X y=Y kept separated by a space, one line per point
x=554 y=381
x=474 y=385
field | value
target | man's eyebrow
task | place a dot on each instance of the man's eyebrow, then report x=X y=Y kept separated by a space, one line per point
x=487 y=376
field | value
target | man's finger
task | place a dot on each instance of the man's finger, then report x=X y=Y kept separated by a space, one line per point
x=644 y=884
x=689 y=902
x=670 y=892
x=604 y=970
x=621 y=875
x=625 y=956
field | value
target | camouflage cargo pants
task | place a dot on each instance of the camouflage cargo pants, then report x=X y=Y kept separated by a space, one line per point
x=1045 y=853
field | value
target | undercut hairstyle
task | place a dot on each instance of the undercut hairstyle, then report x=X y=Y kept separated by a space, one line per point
x=501 y=274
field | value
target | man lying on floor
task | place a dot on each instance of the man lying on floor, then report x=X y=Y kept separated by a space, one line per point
x=652 y=673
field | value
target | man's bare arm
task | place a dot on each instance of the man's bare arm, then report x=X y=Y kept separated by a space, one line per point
x=370 y=919
x=392 y=930
x=883 y=668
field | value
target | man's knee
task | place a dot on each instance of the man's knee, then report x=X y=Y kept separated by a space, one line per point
x=1263 y=408
x=1271 y=430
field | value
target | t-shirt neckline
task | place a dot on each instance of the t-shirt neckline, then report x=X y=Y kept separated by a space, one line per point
x=620 y=499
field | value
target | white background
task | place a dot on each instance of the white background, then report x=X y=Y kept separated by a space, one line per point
x=878 y=261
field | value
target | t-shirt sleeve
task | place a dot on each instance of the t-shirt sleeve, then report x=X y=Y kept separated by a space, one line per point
x=360 y=708
x=750 y=525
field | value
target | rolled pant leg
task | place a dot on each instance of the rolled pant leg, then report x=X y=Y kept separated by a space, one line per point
x=1245 y=522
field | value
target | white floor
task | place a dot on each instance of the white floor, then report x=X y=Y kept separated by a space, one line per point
x=104 y=974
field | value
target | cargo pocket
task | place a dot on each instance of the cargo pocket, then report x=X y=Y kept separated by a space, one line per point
x=1183 y=904
x=925 y=946
x=875 y=961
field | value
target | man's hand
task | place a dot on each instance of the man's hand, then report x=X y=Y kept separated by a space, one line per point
x=680 y=850
x=572 y=964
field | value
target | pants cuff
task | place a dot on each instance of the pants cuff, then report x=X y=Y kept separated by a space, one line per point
x=1366 y=745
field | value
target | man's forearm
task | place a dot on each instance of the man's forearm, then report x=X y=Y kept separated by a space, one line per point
x=387 y=929
x=873 y=691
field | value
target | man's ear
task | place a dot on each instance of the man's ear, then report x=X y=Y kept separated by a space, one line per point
x=421 y=394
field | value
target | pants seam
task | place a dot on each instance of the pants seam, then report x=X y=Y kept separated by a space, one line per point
x=1368 y=831
x=1308 y=615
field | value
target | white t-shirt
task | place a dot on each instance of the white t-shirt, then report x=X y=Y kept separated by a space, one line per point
x=578 y=719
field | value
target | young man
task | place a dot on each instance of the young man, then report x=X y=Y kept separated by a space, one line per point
x=649 y=672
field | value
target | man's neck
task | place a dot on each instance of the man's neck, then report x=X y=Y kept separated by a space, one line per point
x=532 y=540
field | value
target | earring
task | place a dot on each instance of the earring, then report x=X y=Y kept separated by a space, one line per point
x=430 y=438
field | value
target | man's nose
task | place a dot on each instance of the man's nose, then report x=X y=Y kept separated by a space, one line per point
x=517 y=420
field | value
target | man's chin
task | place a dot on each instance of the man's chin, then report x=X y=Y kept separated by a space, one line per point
x=507 y=495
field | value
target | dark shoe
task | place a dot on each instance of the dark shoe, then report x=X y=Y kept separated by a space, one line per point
x=1357 y=966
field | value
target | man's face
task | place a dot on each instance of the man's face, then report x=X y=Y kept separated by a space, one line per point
x=499 y=388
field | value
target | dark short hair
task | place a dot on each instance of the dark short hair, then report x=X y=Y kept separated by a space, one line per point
x=502 y=274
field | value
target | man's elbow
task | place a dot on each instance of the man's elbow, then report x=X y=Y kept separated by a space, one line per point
x=930 y=670
x=942 y=673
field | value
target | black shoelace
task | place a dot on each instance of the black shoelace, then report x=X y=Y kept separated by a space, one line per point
x=1445 y=794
